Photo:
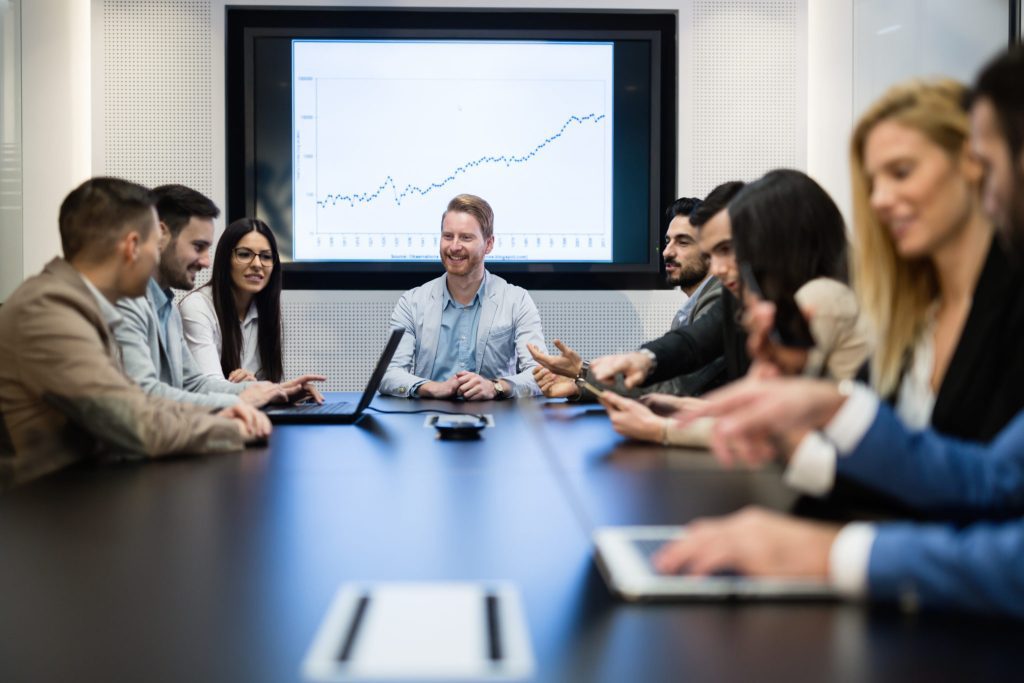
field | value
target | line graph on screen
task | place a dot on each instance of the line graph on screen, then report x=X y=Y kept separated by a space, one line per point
x=384 y=138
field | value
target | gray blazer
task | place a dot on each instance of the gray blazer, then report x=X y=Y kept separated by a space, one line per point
x=508 y=322
x=165 y=366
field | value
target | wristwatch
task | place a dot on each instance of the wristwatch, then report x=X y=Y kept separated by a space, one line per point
x=653 y=358
x=584 y=369
x=499 y=389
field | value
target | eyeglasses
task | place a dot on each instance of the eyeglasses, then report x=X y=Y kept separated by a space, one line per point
x=246 y=256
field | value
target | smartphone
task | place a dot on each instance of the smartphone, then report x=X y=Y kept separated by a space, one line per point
x=790 y=327
x=584 y=385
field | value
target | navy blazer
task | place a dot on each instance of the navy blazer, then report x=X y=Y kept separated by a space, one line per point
x=978 y=565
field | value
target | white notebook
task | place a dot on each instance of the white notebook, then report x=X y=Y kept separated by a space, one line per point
x=422 y=631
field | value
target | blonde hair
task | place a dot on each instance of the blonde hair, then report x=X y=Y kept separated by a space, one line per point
x=896 y=293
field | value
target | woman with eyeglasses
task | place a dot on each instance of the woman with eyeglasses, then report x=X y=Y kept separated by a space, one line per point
x=233 y=323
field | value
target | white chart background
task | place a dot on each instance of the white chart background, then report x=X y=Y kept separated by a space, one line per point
x=386 y=132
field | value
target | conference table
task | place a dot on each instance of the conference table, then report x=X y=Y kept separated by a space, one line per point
x=221 y=568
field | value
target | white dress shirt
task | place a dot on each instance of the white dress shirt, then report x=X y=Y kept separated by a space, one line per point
x=202 y=334
x=915 y=399
x=812 y=469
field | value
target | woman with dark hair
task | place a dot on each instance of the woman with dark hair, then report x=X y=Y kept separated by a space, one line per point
x=790 y=241
x=789 y=231
x=233 y=323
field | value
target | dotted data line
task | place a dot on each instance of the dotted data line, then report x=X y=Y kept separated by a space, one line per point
x=412 y=190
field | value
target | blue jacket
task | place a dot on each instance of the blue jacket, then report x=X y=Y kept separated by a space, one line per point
x=977 y=566
x=508 y=322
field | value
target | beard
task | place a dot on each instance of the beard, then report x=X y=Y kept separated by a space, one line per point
x=463 y=267
x=177 y=276
x=688 y=275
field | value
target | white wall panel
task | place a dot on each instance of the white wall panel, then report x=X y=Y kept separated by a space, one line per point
x=56 y=119
x=746 y=94
x=155 y=92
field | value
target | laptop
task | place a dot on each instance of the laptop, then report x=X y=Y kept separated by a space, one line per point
x=624 y=558
x=337 y=412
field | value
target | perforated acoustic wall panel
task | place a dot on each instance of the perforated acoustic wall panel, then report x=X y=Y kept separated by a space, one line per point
x=747 y=99
x=156 y=96
x=341 y=334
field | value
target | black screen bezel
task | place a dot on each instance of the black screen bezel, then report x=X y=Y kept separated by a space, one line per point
x=244 y=24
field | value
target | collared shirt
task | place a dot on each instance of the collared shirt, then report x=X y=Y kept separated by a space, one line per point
x=509 y=322
x=203 y=335
x=164 y=299
x=456 y=343
x=107 y=309
x=683 y=315
x=812 y=469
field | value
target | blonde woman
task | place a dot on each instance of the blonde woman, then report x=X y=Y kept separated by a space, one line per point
x=947 y=308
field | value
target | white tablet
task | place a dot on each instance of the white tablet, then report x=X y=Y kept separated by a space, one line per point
x=624 y=559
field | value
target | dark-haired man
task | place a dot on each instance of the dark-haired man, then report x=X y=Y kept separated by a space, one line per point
x=715 y=335
x=466 y=332
x=712 y=338
x=686 y=266
x=151 y=336
x=63 y=395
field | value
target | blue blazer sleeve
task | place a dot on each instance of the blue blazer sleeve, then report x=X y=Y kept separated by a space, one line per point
x=979 y=567
x=932 y=473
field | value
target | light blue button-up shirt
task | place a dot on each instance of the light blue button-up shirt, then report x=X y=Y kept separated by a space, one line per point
x=165 y=299
x=684 y=312
x=456 y=341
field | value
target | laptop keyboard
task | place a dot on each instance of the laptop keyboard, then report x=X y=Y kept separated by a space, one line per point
x=334 y=408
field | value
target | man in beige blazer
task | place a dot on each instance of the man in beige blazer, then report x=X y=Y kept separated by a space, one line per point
x=63 y=395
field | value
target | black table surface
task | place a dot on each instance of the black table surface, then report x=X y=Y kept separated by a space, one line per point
x=221 y=568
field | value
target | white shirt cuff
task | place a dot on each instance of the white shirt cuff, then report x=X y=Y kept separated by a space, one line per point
x=812 y=468
x=851 y=422
x=848 y=559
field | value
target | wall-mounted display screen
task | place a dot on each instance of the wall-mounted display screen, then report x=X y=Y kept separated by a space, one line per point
x=350 y=130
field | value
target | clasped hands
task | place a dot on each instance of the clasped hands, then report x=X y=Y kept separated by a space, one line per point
x=465 y=384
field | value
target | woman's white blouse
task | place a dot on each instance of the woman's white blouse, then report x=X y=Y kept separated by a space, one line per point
x=202 y=334
x=915 y=399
